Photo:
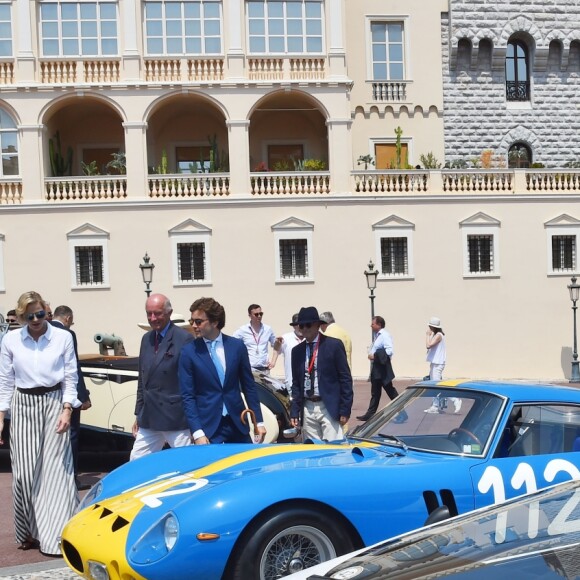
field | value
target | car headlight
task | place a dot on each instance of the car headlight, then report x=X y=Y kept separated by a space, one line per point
x=157 y=541
x=91 y=496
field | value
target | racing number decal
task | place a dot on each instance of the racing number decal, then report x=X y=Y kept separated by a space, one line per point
x=524 y=477
x=153 y=500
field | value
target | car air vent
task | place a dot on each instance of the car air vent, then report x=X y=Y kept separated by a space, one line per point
x=448 y=499
x=431 y=501
x=106 y=512
x=119 y=523
x=73 y=556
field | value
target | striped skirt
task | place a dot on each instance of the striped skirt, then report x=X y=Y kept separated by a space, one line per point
x=43 y=482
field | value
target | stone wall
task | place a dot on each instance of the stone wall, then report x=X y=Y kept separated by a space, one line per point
x=477 y=117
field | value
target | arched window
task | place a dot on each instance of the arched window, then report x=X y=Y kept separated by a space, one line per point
x=519 y=156
x=463 y=54
x=517 y=78
x=9 y=144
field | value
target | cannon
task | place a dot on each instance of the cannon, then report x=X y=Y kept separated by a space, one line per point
x=107 y=341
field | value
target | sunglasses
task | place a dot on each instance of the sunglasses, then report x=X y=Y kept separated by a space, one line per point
x=38 y=315
x=307 y=325
x=11 y=320
x=197 y=321
x=258 y=313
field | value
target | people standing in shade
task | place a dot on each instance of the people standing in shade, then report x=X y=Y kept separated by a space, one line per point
x=289 y=341
x=64 y=318
x=382 y=374
x=160 y=416
x=257 y=336
x=38 y=385
x=322 y=392
x=330 y=328
x=214 y=371
x=437 y=357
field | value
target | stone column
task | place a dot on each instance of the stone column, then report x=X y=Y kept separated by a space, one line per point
x=33 y=166
x=336 y=52
x=22 y=37
x=239 y=152
x=340 y=155
x=136 y=156
x=131 y=57
x=234 y=21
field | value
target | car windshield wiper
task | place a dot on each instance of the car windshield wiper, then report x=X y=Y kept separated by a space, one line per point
x=395 y=439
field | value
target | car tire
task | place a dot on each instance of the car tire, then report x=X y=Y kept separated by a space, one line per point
x=287 y=542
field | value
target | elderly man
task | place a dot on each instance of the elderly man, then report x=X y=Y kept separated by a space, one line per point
x=330 y=328
x=160 y=417
x=322 y=391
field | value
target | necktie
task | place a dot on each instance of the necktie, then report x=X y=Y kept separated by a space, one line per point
x=158 y=339
x=217 y=363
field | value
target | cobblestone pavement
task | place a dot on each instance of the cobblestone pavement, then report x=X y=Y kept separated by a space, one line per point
x=57 y=570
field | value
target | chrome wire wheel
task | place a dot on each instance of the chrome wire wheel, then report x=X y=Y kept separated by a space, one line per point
x=294 y=549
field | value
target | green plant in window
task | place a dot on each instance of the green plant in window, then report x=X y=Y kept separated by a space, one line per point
x=60 y=164
x=90 y=168
x=366 y=160
x=118 y=163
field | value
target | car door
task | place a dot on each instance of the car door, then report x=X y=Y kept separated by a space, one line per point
x=538 y=445
x=113 y=396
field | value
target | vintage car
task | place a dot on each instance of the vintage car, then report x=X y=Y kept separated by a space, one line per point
x=533 y=536
x=248 y=512
x=112 y=381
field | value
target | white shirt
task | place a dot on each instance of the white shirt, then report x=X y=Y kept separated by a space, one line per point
x=256 y=343
x=290 y=341
x=26 y=363
x=438 y=353
x=383 y=340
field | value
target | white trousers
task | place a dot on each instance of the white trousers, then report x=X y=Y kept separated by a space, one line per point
x=319 y=425
x=149 y=441
x=436 y=372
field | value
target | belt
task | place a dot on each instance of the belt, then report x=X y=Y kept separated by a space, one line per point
x=314 y=399
x=38 y=390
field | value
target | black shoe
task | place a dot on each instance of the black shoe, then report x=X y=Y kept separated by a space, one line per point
x=364 y=417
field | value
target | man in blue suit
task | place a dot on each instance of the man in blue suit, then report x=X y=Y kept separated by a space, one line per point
x=322 y=392
x=214 y=370
x=159 y=414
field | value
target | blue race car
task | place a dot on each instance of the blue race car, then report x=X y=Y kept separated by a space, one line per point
x=246 y=512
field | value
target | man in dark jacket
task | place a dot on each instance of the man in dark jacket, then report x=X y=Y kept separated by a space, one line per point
x=160 y=417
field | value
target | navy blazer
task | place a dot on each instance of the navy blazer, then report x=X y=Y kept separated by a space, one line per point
x=159 y=405
x=334 y=377
x=202 y=391
x=83 y=394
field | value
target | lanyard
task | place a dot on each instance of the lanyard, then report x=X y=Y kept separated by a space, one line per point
x=313 y=357
x=256 y=337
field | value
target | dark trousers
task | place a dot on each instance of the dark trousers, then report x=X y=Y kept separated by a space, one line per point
x=75 y=431
x=227 y=432
x=376 y=392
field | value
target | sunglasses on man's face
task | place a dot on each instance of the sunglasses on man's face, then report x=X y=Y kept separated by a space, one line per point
x=258 y=313
x=38 y=315
x=307 y=325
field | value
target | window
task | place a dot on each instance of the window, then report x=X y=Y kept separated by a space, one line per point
x=480 y=237
x=387 y=51
x=284 y=157
x=191 y=261
x=386 y=156
x=89 y=265
x=480 y=251
x=191 y=253
x=79 y=28
x=517 y=71
x=9 y=144
x=5 y=30
x=519 y=156
x=174 y=27
x=394 y=246
x=193 y=159
x=293 y=238
x=562 y=242
x=285 y=26
x=88 y=246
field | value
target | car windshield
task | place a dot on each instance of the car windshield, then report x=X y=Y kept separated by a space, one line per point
x=437 y=419
x=544 y=524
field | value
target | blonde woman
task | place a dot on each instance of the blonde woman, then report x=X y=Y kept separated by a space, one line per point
x=38 y=378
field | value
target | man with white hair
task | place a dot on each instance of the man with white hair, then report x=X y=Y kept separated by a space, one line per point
x=330 y=328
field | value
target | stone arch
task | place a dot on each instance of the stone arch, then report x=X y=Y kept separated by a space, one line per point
x=555 y=53
x=521 y=27
x=520 y=134
x=160 y=101
x=574 y=57
x=464 y=51
x=484 y=55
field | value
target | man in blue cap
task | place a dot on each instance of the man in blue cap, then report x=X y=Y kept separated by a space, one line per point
x=322 y=391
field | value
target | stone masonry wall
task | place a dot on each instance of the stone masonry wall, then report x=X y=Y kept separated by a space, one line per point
x=476 y=114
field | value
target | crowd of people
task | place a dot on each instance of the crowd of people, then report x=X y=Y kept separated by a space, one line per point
x=193 y=386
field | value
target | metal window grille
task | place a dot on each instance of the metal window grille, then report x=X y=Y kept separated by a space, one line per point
x=191 y=262
x=89 y=265
x=394 y=256
x=480 y=249
x=563 y=253
x=293 y=258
